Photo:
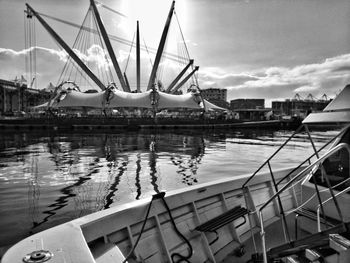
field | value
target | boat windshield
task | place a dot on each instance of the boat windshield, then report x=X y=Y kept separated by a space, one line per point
x=336 y=167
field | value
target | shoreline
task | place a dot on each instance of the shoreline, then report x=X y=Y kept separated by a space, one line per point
x=110 y=124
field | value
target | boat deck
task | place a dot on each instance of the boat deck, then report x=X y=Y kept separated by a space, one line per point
x=274 y=237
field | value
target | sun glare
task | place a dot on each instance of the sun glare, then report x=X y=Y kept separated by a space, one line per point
x=151 y=14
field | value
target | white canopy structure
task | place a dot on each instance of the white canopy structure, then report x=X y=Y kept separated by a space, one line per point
x=189 y=100
x=111 y=98
x=337 y=110
x=121 y=99
x=78 y=99
x=210 y=106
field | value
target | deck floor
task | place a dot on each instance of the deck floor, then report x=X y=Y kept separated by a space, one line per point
x=274 y=237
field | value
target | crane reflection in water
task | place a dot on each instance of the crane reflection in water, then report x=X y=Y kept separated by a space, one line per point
x=47 y=179
x=93 y=167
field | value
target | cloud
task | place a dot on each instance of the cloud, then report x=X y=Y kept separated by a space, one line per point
x=327 y=77
x=49 y=61
x=305 y=89
x=217 y=77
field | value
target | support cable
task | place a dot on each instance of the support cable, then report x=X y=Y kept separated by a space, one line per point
x=25 y=21
x=103 y=46
x=34 y=48
x=131 y=46
x=111 y=37
x=187 y=53
x=150 y=59
x=110 y=9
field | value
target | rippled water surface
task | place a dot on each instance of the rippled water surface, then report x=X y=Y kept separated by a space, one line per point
x=47 y=179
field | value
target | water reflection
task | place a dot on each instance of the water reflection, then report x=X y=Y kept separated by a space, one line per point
x=88 y=169
x=113 y=187
x=65 y=176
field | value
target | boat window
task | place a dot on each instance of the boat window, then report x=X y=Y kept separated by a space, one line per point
x=336 y=167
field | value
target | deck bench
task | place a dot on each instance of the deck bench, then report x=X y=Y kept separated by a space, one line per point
x=223 y=219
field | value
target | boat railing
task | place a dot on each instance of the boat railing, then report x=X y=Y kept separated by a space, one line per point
x=290 y=184
x=276 y=184
x=345 y=191
x=268 y=161
x=291 y=172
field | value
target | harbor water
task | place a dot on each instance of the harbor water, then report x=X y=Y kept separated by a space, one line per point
x=51 y=178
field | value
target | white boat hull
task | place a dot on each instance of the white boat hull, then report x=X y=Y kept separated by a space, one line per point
x=111 y=233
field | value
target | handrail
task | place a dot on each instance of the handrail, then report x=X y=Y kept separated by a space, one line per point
x=273 y=155
x=276 y=184
x=318 y=207
x=287 y=185
x=306 y=160
x=332 y=151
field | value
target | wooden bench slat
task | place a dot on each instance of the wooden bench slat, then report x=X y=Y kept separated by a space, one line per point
x=223 y=219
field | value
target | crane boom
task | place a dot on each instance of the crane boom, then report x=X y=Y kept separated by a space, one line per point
x=63 y=44
x=184 y=80
x=172 y=84
x=160 y=48
x=109 y=47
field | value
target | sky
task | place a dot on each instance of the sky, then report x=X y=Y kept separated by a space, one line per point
x=271 y=49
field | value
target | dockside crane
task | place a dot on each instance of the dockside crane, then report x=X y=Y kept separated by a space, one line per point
x=107 y=42
x=31 y=12
x=172 y=84
x=160 y=48
x=175 y=89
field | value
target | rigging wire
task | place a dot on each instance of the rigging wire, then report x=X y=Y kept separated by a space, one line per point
x=69 y=61
x=186 y=52
x=110 y=9
x=98 y=39
x=26 y=46
x=104 y=74
x=34 y=54
x=30 y=43
x=194 y=76
x=183 y=38
x=111 y=37
x=131 y=46
x=31 y=49
x=150 y=59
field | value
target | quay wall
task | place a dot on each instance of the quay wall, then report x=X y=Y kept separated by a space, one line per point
x=81 y=124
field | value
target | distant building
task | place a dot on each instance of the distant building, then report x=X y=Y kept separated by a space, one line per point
x=216 y=96
x=15 y=97
x=247 y=104
x=298 y=108
x=249 y=109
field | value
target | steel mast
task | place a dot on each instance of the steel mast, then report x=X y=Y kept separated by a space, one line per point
x=109 y=47
x=184 y=80
x=63 y=44
x=160 y=48
x=172 y=84
x=138 y=70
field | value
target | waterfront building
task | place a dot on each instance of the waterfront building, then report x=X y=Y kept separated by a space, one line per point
x=249 y=109
x=16 y=97
x=298 y=107
x=239 y=104
x=216 y=96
